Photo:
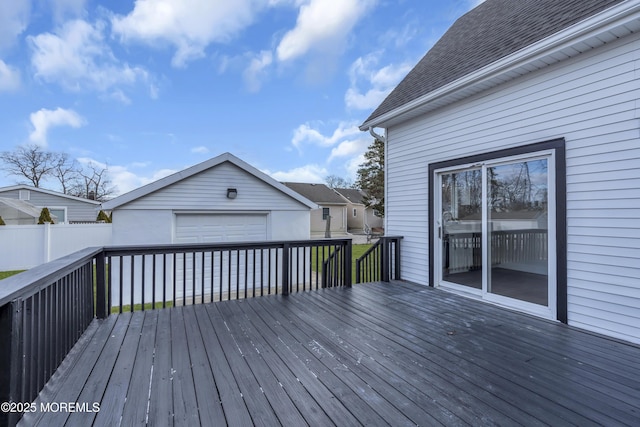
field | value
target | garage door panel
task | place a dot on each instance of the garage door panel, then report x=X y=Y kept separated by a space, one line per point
x=207 y=228
x=212 y=228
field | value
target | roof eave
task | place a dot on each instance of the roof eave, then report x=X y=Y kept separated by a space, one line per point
x=604 y=27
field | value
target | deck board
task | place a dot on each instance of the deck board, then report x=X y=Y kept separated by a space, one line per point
x=374 y=354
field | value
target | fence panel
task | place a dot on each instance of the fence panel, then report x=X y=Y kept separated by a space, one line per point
x=25 y=246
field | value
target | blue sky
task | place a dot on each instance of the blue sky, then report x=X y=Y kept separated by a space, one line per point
x=149 y=87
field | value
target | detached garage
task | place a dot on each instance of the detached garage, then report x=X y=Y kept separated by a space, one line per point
x=221 y=200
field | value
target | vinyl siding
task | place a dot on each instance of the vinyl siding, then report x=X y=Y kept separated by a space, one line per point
x=208 y=191
x=77 y=210
x=592 y=101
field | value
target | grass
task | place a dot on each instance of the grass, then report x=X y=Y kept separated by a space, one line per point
x=356 y=252
x=5 y=274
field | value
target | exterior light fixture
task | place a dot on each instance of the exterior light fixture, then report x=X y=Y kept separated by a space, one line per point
x=232 y=193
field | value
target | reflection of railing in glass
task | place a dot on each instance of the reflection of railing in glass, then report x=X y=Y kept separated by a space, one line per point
x=463 y=251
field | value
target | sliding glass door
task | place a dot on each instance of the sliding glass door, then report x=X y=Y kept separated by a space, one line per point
x=493 y=223
x=460 y=229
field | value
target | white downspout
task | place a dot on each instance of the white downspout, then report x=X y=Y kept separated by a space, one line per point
x=378 y=137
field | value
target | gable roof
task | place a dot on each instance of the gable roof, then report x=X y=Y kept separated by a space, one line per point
x=200 y=167
x=21 y=206
x=319 y=193
x=503 y=39
x=49 y=192
x=351 y=194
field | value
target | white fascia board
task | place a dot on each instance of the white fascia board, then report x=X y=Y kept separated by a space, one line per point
x=625 y=13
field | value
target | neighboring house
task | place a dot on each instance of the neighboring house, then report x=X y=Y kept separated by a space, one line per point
x=19 y=212
x=330 y=204
x=524 y=106
x=222 y=199
x=65 y=208
x=359 y=216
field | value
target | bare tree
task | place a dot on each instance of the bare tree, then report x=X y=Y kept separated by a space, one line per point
x=30 y=162
x=334 y=181
x=67 y=172
x=94 y=183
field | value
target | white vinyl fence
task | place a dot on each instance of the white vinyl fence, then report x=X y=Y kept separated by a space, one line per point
x=25 y=246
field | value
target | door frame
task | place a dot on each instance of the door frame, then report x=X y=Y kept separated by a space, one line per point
x=557 y=146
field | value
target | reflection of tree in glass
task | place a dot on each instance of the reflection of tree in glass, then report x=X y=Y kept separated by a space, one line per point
x=462 y=193
x=518 y=186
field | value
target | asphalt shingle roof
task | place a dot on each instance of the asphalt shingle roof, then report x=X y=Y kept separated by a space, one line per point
x=489 y=32
x=352 y=194
x=318 y=193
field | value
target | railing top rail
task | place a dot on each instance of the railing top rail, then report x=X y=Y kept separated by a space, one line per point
x=378 y=243
x=198 y=247
x=29 y=282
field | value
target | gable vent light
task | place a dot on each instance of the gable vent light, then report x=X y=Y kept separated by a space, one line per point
x=232 y=193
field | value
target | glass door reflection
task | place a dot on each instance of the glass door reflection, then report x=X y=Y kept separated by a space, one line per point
x=460 y=225
x=518 y=230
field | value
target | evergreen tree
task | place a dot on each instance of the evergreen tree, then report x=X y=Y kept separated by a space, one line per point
x=102 y=216
x=2 y=221
x=371 y=177
x=45 y=216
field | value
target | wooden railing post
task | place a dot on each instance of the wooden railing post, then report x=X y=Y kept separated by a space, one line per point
x=11 y=359
x=286 y=253
x=385 y=259
x=101 y=287
x=347 y=264
x=397 y=275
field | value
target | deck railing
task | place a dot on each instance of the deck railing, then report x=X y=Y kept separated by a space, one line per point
x=381 y=262
x=44 y=311
x=463 y=251
x=159 y=276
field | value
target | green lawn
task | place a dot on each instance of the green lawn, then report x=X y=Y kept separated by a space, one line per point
x=5 y=274
x=356 y=252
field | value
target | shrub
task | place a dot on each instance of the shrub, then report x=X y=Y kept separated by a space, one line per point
x=2 y=221
x=102 y=216
x=45 y=216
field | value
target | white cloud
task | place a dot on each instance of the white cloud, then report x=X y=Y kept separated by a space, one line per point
x=305 y=134
x=322 y=25
x=9 y=77
x=308 y=173
x=364 y=72
x=353 y=164
x=350 y=148
x=200 y=150
x=123 y=178
x=256 y=71
x=44 y=119
x=187 y=25
x=77 y=57
x=65 y=8
x=14 y=18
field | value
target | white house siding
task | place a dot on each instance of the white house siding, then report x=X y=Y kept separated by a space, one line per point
x=593 y=102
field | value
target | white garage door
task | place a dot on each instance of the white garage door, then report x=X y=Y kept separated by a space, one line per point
x=206 y=228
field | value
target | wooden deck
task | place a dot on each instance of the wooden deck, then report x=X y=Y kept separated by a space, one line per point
x=374 y=354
